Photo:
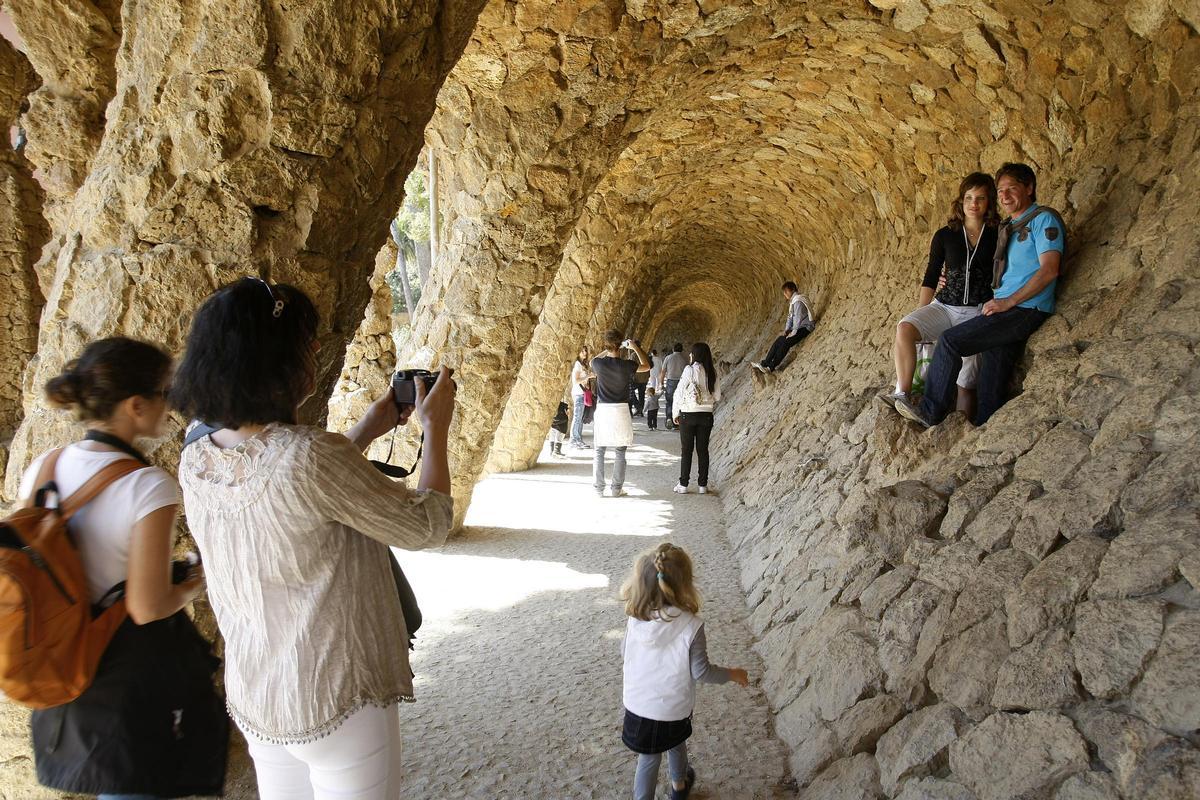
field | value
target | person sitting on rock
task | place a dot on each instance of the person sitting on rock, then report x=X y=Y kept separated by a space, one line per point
x=964 y=249
x=1029 y=252
x=800 y=323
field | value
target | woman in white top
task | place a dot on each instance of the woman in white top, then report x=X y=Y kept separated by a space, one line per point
x=579 y=378
x=294 y=525
x=99 y=742
x=695 y=398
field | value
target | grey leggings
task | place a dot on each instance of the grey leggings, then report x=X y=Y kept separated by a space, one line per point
x=646 y=777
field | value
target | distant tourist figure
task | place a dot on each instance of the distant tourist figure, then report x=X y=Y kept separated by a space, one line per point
x=1029 y=251
x=800 y=323
x=651 y=409
x=695 y=399
x=613 y=424
x=637 y=395
x=673 y=366
x=558 y=429
x=665 y=652
x=655 y=381
x=964 y=249
x=579 y=392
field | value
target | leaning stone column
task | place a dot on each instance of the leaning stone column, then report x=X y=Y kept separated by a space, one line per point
x=569 y=307
x=241 y=140
x=23 y=231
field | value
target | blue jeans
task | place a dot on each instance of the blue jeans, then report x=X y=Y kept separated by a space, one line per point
x=618 y=467
x=577 y=421
x=998 y=340
x=646 y=777
x=671 y=387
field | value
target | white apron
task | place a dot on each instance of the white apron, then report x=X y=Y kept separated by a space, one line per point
x=612 y=425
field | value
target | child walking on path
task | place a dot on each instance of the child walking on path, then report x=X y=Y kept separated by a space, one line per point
x=651 y=409
x=665 y=653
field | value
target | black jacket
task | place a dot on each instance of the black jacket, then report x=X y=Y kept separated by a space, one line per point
x=963 y=287
x=151 y=722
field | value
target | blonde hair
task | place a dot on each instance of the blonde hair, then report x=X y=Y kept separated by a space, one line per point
x=661 y=577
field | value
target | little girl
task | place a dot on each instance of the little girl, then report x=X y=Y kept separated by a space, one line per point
x=665 y=654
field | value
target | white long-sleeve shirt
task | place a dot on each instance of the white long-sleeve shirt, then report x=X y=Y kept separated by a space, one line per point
x=706 y=400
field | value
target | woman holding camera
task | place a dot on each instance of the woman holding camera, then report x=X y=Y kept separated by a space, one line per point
x=294 y=525
x=150 y=724
x=613 y=426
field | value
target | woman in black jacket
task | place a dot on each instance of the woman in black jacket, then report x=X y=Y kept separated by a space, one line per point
x=961 y=253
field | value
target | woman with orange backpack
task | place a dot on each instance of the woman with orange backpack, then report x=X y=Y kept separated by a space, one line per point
x=150 y=724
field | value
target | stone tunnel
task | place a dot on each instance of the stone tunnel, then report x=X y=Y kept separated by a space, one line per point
x=1004 y=611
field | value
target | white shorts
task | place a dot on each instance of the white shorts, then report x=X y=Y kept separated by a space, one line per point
x=933 y=320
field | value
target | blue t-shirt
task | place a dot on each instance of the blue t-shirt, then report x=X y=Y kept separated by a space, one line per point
x=1045 y=234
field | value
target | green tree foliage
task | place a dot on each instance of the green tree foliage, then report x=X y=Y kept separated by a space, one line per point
x=409 y=230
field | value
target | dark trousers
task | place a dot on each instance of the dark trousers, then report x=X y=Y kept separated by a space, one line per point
x=694 y=429
x=652 y=419
x=998 y=340
x=671 y=387
x=637 y=398
x=779 y=349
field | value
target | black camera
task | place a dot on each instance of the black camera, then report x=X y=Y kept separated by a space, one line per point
x=404 y=384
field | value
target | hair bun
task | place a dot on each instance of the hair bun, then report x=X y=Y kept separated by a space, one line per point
x=66 y=388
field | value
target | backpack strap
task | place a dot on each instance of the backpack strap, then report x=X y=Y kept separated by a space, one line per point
x=45 y=476
x=96 y=484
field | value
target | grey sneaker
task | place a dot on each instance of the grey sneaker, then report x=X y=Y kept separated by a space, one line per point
x=910 y=411
x=616 y=492
x=890 y=398
x=599 y=491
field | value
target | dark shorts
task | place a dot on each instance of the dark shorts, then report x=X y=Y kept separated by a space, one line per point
x=649 y=736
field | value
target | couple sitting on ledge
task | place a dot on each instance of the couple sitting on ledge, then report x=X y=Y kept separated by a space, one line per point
x=988 y=286
x=995 y=284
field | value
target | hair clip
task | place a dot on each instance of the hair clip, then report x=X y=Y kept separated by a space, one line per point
x=277 y=309
x=662 y=575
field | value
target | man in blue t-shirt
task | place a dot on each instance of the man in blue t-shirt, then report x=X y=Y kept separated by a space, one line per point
x=1029 y=253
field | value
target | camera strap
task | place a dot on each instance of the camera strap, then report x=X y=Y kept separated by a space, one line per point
x=393 y=470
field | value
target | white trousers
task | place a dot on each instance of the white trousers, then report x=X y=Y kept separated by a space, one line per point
x=360 y=760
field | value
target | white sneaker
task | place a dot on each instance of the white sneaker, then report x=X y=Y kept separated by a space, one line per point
x=757 y=366
x=704 y=490
x=680 y=489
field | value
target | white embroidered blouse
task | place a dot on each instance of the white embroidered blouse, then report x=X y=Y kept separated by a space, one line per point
x=293 y=526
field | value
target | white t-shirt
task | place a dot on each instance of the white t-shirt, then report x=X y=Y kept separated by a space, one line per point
x=103 y=528
x=578 y=378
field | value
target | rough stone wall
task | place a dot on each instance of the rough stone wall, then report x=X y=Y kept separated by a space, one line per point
x=23 y=231
x=73 y=47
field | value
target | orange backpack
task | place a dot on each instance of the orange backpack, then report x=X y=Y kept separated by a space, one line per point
x=50 y=640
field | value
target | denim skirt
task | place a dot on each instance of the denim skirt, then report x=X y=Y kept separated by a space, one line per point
x=650 y=736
